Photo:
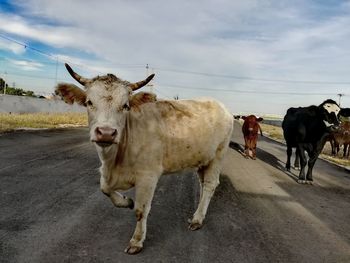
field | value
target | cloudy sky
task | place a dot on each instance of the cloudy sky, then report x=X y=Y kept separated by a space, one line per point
x=255 y=56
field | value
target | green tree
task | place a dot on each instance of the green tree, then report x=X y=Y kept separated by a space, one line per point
x=14 y=91
x=29 y=93
x=2 y=83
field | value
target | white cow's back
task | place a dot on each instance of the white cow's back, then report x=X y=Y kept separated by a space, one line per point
x=184 y=133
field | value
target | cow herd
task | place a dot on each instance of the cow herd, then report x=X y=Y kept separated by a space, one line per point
x=138 y=138
x=306 y=129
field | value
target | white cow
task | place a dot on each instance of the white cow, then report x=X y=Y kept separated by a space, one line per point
x=139 y=138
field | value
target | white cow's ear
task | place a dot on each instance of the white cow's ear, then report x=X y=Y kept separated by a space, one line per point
x=70 y=93
x=140 y=98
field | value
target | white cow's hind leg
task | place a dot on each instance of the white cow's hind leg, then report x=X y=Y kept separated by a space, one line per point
x=144 y=191
x=200 y=174
x=211 y=176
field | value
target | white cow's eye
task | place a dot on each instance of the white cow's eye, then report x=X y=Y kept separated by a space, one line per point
x=89 y=103
x=126 y=107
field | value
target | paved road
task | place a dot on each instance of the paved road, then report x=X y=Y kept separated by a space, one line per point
x=51 y=208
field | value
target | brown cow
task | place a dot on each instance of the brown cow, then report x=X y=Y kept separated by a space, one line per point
x=250 y=130
x=340 y=137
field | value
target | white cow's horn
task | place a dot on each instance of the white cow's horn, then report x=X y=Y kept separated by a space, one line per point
x=140 y=84
x=76 y=76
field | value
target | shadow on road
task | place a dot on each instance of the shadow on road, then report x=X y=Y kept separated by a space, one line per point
x=237 y=147
x=265 y=157
x=272 y=160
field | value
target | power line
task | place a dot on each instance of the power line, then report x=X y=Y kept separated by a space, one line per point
x=248 y=91
x=29 y=60
x=27 y=46
x=188 y=72
x=55 y=58
x=254 y=79
x=31 y=76
x=161 y=93
x=167 y=86
x=195 y=72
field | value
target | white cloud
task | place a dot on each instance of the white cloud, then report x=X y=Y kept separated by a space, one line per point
x=48 y=34
x=27 y=65
x=296 y=40
x=13 y=47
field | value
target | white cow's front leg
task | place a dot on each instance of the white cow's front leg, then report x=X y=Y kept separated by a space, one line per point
x=117 y=198
x=143 y=198
x=120 y=200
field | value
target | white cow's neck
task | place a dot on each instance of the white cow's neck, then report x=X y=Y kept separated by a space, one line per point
x=107 y=155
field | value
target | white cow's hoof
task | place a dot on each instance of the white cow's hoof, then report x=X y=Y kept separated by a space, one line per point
x=309 y=182
x=301 y=181
x=132 y=250
x=195 y=226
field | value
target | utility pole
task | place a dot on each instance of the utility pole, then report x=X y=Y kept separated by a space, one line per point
x=5 y=76
x=56 y=70
x=340 y=95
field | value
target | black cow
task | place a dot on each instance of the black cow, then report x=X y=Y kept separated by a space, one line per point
x=344 y=112
x=306 y=129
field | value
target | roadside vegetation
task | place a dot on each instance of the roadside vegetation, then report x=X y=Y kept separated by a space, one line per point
x=276 y=133
x=10 y=122
x=6 y=89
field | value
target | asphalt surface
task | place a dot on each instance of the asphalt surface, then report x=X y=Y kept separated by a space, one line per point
x=51 y=208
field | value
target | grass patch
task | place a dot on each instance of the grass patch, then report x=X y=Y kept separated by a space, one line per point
x=10 y=122
x=272 y=131
x=336 y=160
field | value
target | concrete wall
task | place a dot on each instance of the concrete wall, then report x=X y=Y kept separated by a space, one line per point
x=23 y=104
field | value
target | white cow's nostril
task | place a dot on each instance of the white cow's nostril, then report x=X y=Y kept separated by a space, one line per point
x=105 y=134
x=98 y=131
